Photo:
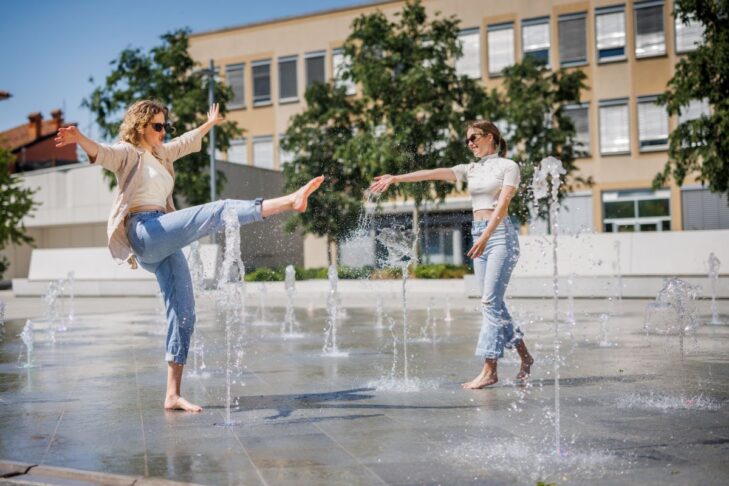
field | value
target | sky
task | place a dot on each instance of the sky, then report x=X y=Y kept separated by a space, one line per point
x=50 y=49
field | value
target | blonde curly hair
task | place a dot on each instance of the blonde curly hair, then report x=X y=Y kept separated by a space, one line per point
x=137 y=117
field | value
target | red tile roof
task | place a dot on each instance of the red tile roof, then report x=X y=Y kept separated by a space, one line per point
x=23 y=135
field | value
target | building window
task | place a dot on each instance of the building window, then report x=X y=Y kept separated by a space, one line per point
x=287 y=79
x=652 y=124
x=634 y=211
x=261 y=82
x=572 y=39
x=315 y=68
x=234 y=74
x=263 y=152
x=614 y=127
x=535 y=39
x=580 y=118
x=650 y=38
x=340 y=65
x=238 y=151
x=469 y=64
x=688 y=35
x=610 y=31
x=284 y=156
x=695 y=109
x=703 y=209
x=501 y=47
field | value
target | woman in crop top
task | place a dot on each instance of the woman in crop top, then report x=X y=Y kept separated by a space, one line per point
x=492 y=181
x=144 y=226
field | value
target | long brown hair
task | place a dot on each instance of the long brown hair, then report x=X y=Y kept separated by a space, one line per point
x=137 y=117
x=487 y=127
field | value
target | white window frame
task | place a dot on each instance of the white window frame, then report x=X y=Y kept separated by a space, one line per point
x=680 y=30
x=540 y=22
x=649 y=144
x=464 y=67
x=313 y=55
x=637 y=7
x=261 y=140
x=236 y=68
x=587 y=147
x=262 y=101
x=636 y=196
x=242 y=143
x=295 y=97
x=620 y=9
x=507 y=26
x=566 y=18
x=621 y=102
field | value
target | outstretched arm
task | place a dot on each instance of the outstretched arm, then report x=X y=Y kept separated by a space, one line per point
x=72 y=134
x=110 y=157
x=383 y=182
x=191 y=141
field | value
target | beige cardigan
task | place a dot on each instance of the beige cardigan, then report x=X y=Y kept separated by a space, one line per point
x=125 y=161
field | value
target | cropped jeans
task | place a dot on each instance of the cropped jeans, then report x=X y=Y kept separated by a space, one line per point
x=493 y=270
x=157 y=240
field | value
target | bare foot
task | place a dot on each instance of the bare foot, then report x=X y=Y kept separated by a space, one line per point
x=301 y=197
x=481 y=381
x=526 y=366
x=179 y=403
x=475 y=380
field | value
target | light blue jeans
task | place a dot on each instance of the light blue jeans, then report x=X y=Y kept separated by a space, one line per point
x=157 y=240
x=493 y=270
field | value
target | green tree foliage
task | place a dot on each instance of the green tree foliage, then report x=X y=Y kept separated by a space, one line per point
x=531 y=111
x=700 y=147
x=16 y=202
x=322 y=139
x=166 y=74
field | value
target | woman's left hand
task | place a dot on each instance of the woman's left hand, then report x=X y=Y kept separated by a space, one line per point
x=478 y=248
x=214 y=116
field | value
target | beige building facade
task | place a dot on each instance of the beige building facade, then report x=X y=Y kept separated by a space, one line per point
x=628 y=50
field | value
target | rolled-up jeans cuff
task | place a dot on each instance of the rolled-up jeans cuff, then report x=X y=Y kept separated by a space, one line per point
x=258 y=202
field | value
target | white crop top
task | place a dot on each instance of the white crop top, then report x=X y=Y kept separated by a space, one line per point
x=486 y=178
x=155 y=186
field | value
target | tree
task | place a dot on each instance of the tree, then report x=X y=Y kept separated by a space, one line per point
x=16 y=202
x=531 y=111
x=700 y=146
x=166 y=74
x=321 y=137
x=416 y=103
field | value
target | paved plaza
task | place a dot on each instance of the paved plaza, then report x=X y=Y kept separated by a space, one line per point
x=631 y=410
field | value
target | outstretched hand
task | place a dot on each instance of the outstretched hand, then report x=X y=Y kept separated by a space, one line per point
x=67 y=136
x=214 y=115
x=382 y=183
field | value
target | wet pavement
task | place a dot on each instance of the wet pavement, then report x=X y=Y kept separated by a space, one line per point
x=633 y=412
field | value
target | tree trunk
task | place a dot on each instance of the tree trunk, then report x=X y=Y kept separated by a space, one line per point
x=330 y=256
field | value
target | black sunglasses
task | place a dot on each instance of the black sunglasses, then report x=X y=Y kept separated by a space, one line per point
x=473 y=138
x=157 y=127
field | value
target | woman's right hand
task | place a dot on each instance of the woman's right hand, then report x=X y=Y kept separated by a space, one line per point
x=382 y=183
x=67 y=136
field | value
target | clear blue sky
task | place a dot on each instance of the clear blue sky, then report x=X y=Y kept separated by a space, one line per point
x=50 y=49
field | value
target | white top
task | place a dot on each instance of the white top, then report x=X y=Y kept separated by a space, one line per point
x=155 y=186
x=486 y=178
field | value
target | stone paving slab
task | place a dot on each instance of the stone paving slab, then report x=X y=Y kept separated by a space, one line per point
x=633 y=413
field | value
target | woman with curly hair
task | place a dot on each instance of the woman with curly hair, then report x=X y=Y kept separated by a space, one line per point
x=144 y=226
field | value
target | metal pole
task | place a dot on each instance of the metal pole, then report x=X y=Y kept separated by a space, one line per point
x=211 y=100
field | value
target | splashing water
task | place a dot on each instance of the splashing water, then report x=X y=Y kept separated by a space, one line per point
x=330 y=348
x=379 y=312
x=605 y=342
x=399 y=244
x=230 y=301
x=2 y=320
x=70 y=284
x=52 y=314
x=448 y=318
x=664 y=402
x=713 y=263
x=197 y=272
x=547 y=181
x=290 y=326
x=27 y=337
